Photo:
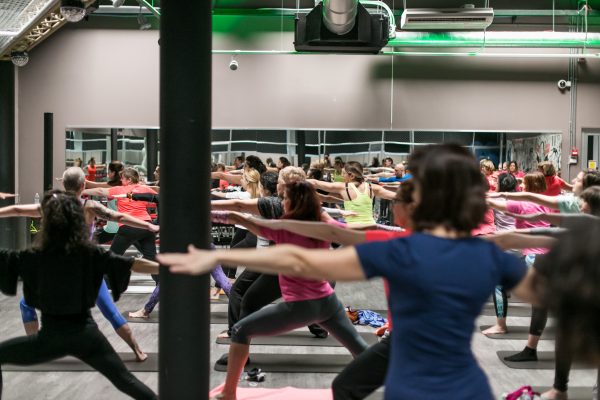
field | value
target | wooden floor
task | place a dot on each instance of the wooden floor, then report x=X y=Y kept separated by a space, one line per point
x=89 y=385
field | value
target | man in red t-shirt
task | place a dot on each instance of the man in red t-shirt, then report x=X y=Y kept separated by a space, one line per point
x=126 y=236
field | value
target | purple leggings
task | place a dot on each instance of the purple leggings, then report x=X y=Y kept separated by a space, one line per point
x=221 y=281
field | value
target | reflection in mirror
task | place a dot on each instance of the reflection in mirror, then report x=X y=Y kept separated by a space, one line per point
x=139 y=147
x=92 y=149
x=89 y=150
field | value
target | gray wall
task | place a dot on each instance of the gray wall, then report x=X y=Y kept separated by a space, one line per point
x=109 y=78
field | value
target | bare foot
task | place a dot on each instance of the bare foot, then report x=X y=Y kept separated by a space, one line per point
x=223 y=335
x=554 y=394
x=495 y=330
x=214 y=293
x=224 y=396
x=139 y=314
x=140 y=355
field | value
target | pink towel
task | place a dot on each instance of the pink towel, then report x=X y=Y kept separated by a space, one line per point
x=285 y=393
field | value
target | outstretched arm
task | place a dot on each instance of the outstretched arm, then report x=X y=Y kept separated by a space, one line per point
x=247 y=206
x=316 y=230
x=143 y=266
x=4 y=196
x=518 y=240
x=339 y=265
x=331 y=187
x=107 y=214
x=93 y=184
x=99 y=192
x=552 y=218
x=231 y=178
x=543 y=200
x=379 y=191
x=496 y=204
x=21 y=210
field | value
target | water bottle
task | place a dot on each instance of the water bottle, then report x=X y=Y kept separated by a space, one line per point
x=36 y=198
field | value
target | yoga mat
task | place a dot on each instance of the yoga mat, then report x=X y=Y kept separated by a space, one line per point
x=575 y=392
x=216 y=317
x=513 y=311
x=301 y=338
x=519 y=333
x=545 y=361
x=145 y=289
x=295 y=362
x=287 y=393
x=70 y=364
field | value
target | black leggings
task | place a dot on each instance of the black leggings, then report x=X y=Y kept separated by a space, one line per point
x=251 y=292
x=242 y=239
x=76 y=336
x=364 y=374
x=143 y=240
x=283 y=317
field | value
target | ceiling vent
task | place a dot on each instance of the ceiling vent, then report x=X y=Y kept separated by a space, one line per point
x=446 y=19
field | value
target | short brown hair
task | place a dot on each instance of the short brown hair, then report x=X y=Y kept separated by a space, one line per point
x=354 y=168
x=591 y=196
x=547 y=168
x=535 y=182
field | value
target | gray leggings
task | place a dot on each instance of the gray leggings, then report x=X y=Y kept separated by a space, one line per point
x=283 y=317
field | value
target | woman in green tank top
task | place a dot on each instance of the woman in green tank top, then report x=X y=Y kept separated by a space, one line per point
x=356 y=193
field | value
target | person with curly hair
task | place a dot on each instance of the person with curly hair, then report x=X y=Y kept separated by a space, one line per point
x=61 y=276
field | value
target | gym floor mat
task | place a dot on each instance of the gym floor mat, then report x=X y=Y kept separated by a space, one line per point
x=519 y=333
x=295 y=362
x=216 y=317
x=545 y=361
x=301 y=338
x=68 y=364
x=575 y=392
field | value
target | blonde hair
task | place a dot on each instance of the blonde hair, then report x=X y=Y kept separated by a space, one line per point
x=488 y=164
x=252 y=178
x=292 y=174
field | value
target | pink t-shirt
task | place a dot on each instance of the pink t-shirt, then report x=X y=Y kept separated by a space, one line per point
x=526 y=207
x=295 y=288
x=127 y=206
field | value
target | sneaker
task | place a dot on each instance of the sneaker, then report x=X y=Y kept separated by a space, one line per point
x=319 y=332
x=224 y=359
x=528 y=354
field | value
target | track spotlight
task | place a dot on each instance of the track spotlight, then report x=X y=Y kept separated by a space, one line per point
x=19 y=58
x=72 y=10
x=143 y=21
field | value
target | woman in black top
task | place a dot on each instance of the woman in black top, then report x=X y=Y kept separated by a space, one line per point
x=61 y=277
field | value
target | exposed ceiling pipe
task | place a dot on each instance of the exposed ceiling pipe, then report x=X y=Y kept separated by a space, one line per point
x=339 y=16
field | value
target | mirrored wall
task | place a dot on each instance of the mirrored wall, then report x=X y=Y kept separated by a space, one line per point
x=139 y=147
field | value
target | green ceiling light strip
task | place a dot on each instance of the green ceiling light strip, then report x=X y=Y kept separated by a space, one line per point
x=496 y=39
x=417 y=54
x=150 y=7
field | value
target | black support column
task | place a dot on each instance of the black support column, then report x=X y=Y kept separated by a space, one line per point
x=114 y=145
x=151 y=152
x=185 y=126
x=48 y=150
x=301 y=147
x=7 y=148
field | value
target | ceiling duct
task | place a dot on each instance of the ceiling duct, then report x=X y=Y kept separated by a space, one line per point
x=343 y=26
x=446 y=19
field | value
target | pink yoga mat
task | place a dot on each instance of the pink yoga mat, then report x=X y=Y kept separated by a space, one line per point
x=286 y=393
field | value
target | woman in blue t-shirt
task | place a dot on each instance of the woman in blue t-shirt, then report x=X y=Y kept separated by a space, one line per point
x=439 y=277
